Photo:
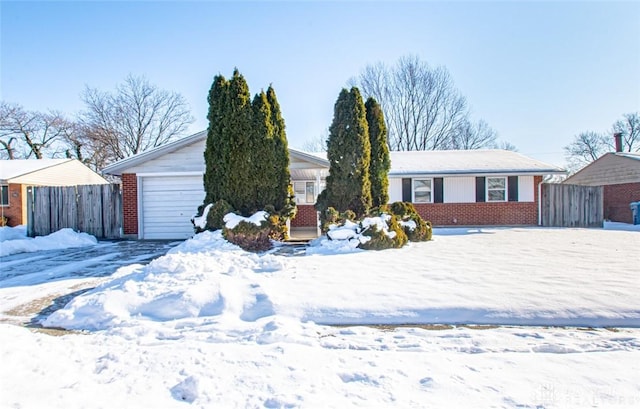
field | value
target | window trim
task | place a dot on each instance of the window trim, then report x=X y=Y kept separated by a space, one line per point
x=413 y=189
x=304 y=195
x=505 y=190
x=4 y=188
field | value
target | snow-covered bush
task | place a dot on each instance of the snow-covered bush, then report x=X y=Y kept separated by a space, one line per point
x=331 y=217
x=387 y=235
x=371 y=233
x=210 y=217
x=415 y=227
x=249 y=233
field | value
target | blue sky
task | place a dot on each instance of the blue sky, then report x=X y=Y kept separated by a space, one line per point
x=537 y=72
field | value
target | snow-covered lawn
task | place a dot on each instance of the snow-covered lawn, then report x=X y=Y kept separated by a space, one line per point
x=15 y=240
x=213 y=326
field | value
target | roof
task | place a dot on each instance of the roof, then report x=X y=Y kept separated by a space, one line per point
x=467 y=162
x=402 y=163
x=609 y=169
x=48 y=172
x=14 y=168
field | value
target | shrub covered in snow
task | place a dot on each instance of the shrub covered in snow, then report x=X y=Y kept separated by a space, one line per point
x=249 y=233
x=332 y=217
x=210 y=217
x=384 y=232
x=371 y=233
x=415 y=227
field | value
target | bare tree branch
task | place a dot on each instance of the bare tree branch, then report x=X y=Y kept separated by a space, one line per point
x=589 y=146
x=27 y=134
x=136 y=117
x=423 y=109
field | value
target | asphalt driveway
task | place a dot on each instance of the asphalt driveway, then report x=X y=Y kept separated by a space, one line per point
x=100 y=260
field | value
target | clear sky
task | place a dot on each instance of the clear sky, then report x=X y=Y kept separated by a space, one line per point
x=538 y=72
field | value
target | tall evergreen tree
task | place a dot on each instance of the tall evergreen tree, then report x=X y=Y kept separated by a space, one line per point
x=238 y=129
x=263 y=155
x=217 y=144
x=282 y=177
x=246 y=155
x=380 y=161
x=348 y=186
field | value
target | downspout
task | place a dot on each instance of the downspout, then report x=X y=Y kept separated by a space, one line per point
x=540 y=202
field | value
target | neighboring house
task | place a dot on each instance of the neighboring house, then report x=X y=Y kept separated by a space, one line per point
x=163 y=187
x=17 y=175
x=619 y=174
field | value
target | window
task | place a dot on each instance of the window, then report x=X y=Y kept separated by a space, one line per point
x=422 y=191
x=305 y=192
x=496 y=189
x=5 y=195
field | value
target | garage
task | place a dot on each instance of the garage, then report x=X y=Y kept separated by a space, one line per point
x=167 y=204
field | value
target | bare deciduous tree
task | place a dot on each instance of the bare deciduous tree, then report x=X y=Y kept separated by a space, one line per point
x=585 y=148
x=589 y=146
x=136 y=117
x=471 y=135
x=317 y=144
x=27 y=134
x=629 y=127
x=422 y=107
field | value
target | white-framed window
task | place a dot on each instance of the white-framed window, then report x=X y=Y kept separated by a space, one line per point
x=305 y=192
x=496 y=189
x=422 y=190
x=5 y=195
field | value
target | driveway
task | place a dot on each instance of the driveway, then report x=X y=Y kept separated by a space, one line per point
x=100 y=260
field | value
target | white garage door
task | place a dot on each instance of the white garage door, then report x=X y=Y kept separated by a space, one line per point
x=168 y=203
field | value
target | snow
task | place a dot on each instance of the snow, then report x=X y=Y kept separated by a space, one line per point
x=201 y=221
x=18 y=167
x=231 y=220
x=352 y=233
x=14 y=240
x=210 y=325
x=467 y=162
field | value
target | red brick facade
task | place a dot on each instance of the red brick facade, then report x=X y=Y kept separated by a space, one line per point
x=460 y=214
x=306 y=217
x=617 y=199
x=13 y=212
x=478 y=214
x=482 y=214
x=130 y=203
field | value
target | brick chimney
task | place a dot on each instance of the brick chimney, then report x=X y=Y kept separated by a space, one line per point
x=618 y=140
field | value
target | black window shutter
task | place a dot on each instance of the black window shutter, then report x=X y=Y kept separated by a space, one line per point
x=513 y=188
x=406 y=190
x=480 y=189
x=438 y=190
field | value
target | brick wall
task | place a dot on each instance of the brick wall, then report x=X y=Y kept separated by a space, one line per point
x=461 y=214
x=129 y=203
x=14 y=211
x=616 y=201
x=306 y=217
x=478 y=214
x=482 y=214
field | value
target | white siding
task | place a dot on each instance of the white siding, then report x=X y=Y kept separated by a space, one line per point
x=167 y=205
x=459 y=189
x=395 y=190
x=526 y=189
x=188 y=159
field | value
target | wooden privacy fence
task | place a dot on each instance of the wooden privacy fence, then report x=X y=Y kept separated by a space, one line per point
x=93 y=209
x=571 y=205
